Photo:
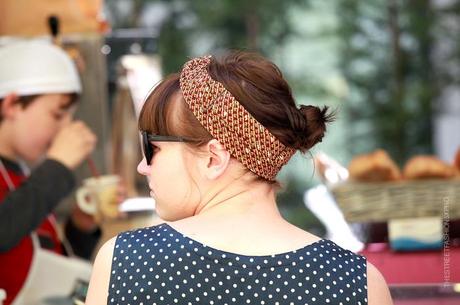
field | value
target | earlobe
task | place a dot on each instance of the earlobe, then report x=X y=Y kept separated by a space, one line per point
x=9 y=105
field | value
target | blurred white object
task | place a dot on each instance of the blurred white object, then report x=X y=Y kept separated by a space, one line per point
x=329 y=170
x=138 y=204
x=51 y=275
x=141 y=72
x=36 y=67
x=2 y=296
x=321 y=203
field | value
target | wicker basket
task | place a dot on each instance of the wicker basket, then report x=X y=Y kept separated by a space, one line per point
x=372 y=202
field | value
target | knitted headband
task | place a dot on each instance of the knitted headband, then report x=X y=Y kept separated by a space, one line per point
x=230 y=123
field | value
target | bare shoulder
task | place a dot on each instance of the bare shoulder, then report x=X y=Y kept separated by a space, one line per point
x=100 y=276
x=377 y=288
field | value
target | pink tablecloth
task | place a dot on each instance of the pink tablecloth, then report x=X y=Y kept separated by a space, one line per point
x=415 y=267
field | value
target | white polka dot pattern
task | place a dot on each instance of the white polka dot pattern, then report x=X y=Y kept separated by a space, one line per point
x=159 y=265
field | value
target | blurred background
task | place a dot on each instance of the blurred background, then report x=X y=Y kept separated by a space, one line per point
x=390 y=68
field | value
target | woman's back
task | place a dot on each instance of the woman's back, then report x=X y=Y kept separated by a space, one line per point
x=160 y=265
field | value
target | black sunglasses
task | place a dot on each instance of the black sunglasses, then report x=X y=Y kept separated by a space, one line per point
x=148 y=147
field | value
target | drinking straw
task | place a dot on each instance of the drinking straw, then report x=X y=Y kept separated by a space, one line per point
x=92 y=167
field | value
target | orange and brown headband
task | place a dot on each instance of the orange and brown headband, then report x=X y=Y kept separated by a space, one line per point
x=230 y=123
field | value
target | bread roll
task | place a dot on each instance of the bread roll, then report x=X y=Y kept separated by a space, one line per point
x=426 y=167
x=374 y=167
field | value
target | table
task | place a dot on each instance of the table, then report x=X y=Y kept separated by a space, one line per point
x=419 y=278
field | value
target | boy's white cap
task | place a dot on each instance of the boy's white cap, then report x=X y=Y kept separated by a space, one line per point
x=35 y=67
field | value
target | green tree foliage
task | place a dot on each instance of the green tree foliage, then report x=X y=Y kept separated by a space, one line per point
x=387 y=48
x=206 y=25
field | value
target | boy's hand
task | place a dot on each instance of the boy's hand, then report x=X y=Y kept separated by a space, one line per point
x=72 y=144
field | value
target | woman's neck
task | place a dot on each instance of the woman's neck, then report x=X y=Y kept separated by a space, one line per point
x=239 y=198
x=239 y=219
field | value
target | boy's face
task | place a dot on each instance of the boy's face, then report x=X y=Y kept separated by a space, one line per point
x=37 y=124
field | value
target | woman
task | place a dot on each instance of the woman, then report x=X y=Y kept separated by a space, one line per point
x=215 y=136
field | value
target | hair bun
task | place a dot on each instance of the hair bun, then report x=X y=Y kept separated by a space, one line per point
x=316 y=119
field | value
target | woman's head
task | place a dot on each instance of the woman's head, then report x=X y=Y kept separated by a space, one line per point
x=242 y=102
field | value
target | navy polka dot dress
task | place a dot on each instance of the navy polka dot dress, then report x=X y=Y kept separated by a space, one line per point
x=159 y=265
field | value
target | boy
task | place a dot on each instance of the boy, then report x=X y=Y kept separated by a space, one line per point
x=39 y=85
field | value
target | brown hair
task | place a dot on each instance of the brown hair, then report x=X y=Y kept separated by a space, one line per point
x=258 y=85
x=26 y=100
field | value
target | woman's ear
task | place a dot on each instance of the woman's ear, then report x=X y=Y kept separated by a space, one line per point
x=9 y=105
x=217 y=159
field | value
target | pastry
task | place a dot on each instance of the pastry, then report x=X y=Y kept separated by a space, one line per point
x=373 y=167
x=426 y=167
